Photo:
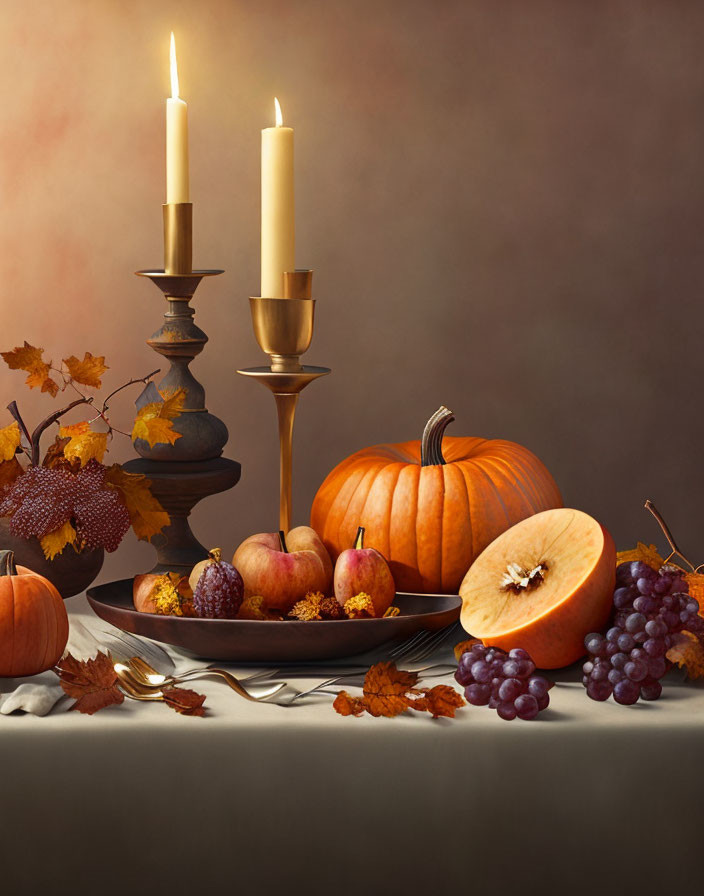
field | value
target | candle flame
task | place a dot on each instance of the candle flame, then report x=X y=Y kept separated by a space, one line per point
x=174 y=68
x=279 y=116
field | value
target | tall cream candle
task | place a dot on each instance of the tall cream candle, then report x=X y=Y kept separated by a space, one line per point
x=278 y=216
x=176 y=139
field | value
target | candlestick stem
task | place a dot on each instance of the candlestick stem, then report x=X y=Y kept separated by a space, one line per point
x=286 y=410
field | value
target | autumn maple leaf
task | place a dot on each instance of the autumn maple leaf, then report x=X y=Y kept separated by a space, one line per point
x=347 y=705
x=53 y=543
x=153 y=420
x=184 y=701
x=441 y=700
x=147 y=516
x=88 y=371
x=687 y=651
x=9 y=441
x=642 y=553
x=10 y=471
x=385 y=689
x=83 y=443
x=92 y=683
x=31 y=359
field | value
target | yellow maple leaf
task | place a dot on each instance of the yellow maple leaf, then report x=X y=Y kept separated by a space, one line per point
x=147 y=516
x=30 y=358
x=83 y=444
x=153 y=421
x=688 y=652
x=53 y=543
x=88 y=371
x=642 y=552
x=9 y=441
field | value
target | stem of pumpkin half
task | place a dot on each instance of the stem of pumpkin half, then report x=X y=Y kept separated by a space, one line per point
x=282 y=541
x=431 y=441
x=7 y=563
x=359 y=539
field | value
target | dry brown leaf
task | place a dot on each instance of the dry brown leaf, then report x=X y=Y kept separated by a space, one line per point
x=83 y=443
x=56 y=459
x=184 y=701
x=92 y=683
x=9 y=471
x=347 y=705
x=88 y=371
x=687 y=651
x=441 y=700
x=9 y=441
x=147 y=516
x=153 y=421
x=30 y=359
x=643 y=553
x=385 y=689
x=389 y=691
x=53 y=543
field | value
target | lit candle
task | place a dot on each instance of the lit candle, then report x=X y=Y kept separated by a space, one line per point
x=176 y=139
x=278 y=227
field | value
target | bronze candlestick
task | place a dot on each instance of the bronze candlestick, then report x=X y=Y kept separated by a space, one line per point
x=192 y=468
x=284 y=330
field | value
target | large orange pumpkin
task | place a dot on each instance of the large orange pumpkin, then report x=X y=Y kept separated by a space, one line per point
x=431 y=506
x=33 y=621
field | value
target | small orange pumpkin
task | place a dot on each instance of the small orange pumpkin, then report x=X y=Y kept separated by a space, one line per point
x=33 y=621
x=431 y=506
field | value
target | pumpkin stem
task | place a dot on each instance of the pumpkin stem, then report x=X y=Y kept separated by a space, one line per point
x=282 y=541
x=359 y=540
x=431 y=441
x=7 y=563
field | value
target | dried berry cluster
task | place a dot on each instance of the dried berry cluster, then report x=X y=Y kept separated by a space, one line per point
x=43 y=500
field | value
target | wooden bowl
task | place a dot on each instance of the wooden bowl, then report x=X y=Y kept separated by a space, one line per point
x=253 y=641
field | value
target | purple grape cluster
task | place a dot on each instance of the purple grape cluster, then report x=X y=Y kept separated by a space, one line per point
x=629 y=660
x=503 y=681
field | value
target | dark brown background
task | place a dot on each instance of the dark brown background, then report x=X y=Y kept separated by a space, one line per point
x=503 y=203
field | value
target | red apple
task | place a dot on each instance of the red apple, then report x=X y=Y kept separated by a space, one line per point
x=283 y=569
x=364 y=569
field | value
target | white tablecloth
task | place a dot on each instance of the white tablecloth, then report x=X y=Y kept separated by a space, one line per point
x=257 y=799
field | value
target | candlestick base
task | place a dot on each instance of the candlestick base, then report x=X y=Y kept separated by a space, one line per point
x=179 y=487
x=285 y=387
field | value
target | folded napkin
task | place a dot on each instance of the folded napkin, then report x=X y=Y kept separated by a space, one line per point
x=39 y=694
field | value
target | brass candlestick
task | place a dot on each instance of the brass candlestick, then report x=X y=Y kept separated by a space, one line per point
x=192 y=468
x=284 y=330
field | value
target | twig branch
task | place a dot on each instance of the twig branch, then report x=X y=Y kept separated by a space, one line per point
x=142 y=379
x=675 y=551
x=52 y=418
x=15 y=411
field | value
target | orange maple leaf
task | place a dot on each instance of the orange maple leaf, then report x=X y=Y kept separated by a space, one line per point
x=441 y=700
x=30 y=359
x=687 y=651
x=644 y=553
x=88 y=371
x=92 y=683
x=83 y=443
x=147 y=516
x=10 y=470
x=347 y=705
x=153 y=421
x=385 y=689
x=464 y=647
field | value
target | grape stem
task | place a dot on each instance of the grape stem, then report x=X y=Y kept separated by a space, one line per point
x=674 y=550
